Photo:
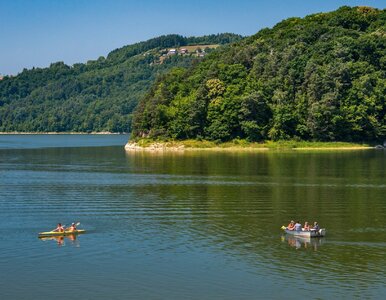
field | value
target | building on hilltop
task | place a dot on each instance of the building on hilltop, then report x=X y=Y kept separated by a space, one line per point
x=183 y=51
x=172 y=52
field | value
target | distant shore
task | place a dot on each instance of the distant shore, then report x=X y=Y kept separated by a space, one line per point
x=62 y=133
x=239 y=145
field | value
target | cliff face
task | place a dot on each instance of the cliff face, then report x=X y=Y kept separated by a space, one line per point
x=317 y=78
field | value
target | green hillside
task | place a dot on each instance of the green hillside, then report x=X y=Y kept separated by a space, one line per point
x=319 y=78
x=99 y=95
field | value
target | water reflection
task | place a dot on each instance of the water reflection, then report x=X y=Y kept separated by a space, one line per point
x=61 y=240
x=303 y=242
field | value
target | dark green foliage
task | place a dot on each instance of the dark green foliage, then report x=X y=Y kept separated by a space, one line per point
x=318 y=78
x=97 y=96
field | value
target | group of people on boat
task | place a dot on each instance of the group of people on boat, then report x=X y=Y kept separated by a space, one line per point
x=60 y=228
x=297 y=226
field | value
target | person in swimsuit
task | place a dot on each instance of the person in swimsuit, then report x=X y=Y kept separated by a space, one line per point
x=59 y=228
x=72 y=228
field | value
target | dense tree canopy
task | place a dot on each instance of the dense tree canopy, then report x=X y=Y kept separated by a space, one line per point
x=99 y=95
x=322 y=78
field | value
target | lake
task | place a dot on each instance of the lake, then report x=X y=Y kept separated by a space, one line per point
x=193 y=225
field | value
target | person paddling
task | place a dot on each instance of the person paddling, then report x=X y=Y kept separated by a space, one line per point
x=72 y=227
x=59 y=228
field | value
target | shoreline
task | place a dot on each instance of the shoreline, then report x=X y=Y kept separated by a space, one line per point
x=190 y=145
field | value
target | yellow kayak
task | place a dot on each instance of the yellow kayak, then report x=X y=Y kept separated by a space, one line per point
x=63 y=233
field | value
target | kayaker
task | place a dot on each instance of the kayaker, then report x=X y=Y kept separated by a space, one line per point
x=298 y=226
x=72 y=227
x=306 y=226
x=59 y=228
x=291 y=225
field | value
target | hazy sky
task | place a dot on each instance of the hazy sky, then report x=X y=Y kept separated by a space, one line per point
x=38 y=32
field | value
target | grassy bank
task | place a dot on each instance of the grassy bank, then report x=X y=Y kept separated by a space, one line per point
x=149 y=144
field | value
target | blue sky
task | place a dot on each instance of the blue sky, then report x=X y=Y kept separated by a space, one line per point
x=38 y=32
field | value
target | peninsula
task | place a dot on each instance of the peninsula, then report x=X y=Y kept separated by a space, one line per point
x=314 y=80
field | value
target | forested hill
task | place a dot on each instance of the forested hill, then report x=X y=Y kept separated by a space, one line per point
x=99 y=95
x=317 y=78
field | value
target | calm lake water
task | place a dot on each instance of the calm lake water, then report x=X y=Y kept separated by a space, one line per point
x=199 y=225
